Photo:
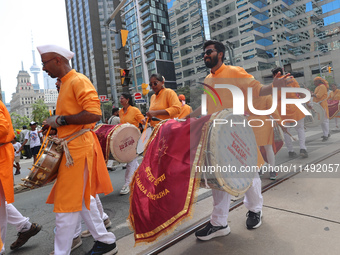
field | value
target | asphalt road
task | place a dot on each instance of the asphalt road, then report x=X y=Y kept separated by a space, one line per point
x=32 y=204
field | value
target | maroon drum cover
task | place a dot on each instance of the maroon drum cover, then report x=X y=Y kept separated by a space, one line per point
x=333 y=108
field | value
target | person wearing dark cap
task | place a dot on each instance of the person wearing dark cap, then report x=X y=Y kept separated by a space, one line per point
x=27 y=147
x=77 y=111
x=114 y=120
x=35 y=139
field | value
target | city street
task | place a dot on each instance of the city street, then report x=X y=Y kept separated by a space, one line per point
x=32 y=204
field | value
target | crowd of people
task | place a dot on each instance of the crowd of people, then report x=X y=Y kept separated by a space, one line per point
x=82 y=172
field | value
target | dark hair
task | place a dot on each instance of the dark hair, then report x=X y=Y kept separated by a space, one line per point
x=158 y=76
x=128 y=96
x=24 y=127
x=276 y=70
x=115 y=110
x=218 y=46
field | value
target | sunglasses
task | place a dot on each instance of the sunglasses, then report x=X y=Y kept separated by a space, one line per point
x=153 y=83
x=208 y=52
x=44 y=63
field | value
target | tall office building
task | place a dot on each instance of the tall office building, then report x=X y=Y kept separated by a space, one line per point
x=262 y=34
x=87 y=37
x=189 y=28
x=49 y=83
x=146 y=21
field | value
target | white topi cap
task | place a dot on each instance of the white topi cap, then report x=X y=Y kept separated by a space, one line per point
x=56 y=49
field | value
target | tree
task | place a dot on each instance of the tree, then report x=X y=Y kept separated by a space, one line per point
x=18 y=121
x=106 y=110
x=40 y=111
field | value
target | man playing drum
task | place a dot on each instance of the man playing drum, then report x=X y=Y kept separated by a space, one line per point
x=293 y=113
x=320 y=96
x=334 y=96
x=78 y=109
x=213 y=59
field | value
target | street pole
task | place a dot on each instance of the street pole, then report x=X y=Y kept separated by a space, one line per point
x=133 y=66
x=110 y=58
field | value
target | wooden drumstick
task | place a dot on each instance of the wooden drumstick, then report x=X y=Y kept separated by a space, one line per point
x=146 y=124
x=286 y=131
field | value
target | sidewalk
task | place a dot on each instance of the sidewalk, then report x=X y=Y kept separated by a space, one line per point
x=300 y=216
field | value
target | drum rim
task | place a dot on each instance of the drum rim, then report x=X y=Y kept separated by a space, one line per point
x=318 y=122
x=148 y=136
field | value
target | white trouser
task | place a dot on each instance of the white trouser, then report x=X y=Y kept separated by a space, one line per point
x=253 y=201
x=336 y=121
x=102 y=214
x=3 y=218
x=67 y=223
x=15 y=218
x=301 y=135
x=270 y=154
x=325 y=127
x=130 y=169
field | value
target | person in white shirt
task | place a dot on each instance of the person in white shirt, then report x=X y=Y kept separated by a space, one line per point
x=114 y=120
x=17 y=153
x=35 y=139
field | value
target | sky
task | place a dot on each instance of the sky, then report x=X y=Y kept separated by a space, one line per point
x=19 y=20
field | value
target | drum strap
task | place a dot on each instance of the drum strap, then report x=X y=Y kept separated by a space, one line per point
x=63 y=142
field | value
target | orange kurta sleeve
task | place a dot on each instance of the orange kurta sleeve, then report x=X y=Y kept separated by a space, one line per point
x=6 y=153
x=133 y=116
x=185 y=110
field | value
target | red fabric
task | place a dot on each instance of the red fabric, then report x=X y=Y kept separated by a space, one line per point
x=103 y=134
x=333 y=108
x=165 y=170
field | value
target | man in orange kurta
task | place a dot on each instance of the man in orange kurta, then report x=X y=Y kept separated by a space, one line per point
x=6 y=168
x=185 y=109
x=320 y=96
x=77 y=111
x=237 y=76
x=292 y=113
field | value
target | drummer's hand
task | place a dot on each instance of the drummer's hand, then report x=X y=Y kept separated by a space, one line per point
x=279 y=82
x=52 y=121
x=151 y=114
x=143 y=121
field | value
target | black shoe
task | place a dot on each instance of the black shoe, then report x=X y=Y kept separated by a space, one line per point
x=303 y=153
x=254 y=219
x=324 y=138
x=210 y=231
x=103 y=248
x=292 y=154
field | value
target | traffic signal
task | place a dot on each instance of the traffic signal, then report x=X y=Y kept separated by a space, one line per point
x=120 y=38
x=329 y=69
x=124 y=77
x=145 y=89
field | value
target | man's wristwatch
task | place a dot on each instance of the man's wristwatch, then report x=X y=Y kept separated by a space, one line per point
x=61 y=121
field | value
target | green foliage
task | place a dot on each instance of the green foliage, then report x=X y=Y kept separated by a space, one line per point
x=106 y=110
x=18 y=121
x=40 y=111
x=192 y=95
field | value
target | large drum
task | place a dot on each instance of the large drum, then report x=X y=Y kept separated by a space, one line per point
x=333 y=108
x=121 y=140
x=143 y=140
x=46 y=169
x=231 y=148
x=317 y=117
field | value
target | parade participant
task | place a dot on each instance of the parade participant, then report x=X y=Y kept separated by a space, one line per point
x=320 y=96
x=335 y=95
x=17 y=153
x=263 y=130
x=35 y=139
x=27 y=147
x=78 y=109
x=132 y=115
x=185 y=109
x=6 y=169
x=164 y=103
x=293 y=112
x=114 y=120
x=253 y=201
x=25 y=228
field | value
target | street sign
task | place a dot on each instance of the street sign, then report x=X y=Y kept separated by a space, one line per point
x=138 y=96
x=103 y=98
x=140 y=101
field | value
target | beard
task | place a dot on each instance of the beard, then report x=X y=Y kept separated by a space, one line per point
x=213 y=61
